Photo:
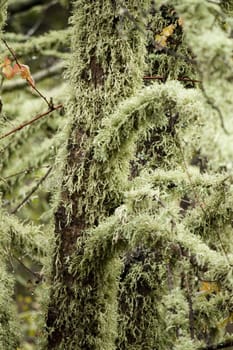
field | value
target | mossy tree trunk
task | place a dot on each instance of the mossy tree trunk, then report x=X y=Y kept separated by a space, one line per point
x=105 y=68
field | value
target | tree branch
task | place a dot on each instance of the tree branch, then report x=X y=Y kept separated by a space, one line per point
x=25 y=172
x=34 y=189
x=49 y=103
x=36 y=275
x=37 y=117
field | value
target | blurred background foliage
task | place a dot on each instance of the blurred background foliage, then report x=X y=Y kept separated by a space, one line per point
x=38 y=32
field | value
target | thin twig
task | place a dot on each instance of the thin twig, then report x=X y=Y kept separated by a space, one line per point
x=185 y=284
x=16 y=7
x=25 y=172
x=41 y=18
x=35 y=274
x=34 y=189
x=211 y=103
x=37 y=117
x=217 y=109
x=49 y=103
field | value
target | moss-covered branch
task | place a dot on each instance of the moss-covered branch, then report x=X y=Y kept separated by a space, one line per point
x=55 y=40
x=24 y=238
x=142 y=112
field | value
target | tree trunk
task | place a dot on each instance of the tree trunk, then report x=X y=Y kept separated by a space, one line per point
x=106 y=66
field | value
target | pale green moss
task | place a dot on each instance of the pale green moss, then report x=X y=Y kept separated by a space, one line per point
x=115 y=141
x=104 y=68
x=26 y=239
x=161 y=242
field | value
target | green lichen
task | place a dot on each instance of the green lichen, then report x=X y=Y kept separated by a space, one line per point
x=140 y=113
x=164 y=248
x=108 y=68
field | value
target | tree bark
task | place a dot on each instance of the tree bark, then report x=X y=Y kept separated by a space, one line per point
x=106 y=66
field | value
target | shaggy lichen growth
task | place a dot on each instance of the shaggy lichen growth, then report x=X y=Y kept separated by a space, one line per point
x=108 y=68
x=165 y=249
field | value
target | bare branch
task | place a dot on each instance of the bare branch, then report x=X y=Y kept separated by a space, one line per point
x=37 y=117
x=13 y=211
x=49 y=103
x=25 y=172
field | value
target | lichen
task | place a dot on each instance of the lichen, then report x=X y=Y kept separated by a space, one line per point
x=156 y=223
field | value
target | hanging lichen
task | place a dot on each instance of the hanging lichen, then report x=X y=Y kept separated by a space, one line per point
x=165 y=253
x=104 y=69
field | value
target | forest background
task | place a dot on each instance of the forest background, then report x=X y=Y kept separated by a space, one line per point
x=28 y=155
